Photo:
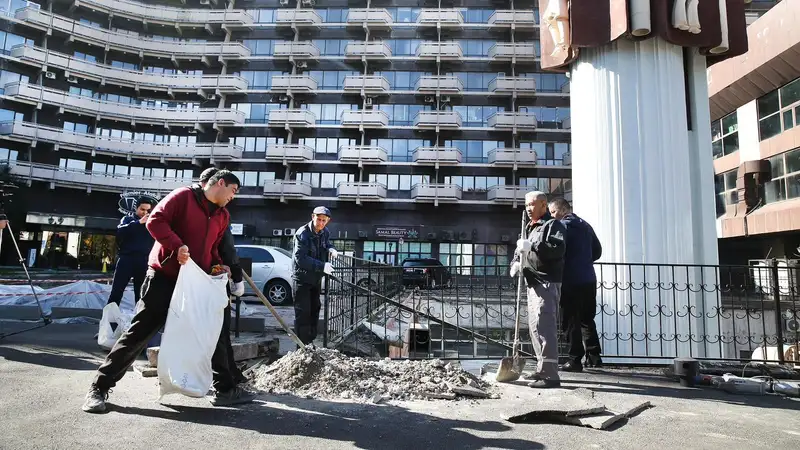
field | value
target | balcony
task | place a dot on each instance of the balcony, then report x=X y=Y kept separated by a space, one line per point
x=440 y=50
x=129 y=78
x=442 y=16
x=371 y=84
x=439 y=84
x=86 y=179
x=371 y=49
x=292 y=17
x=362 y=154
x=518 y=18
x=165 y=15
x=128 y=112
x=437 y=156
x=294 y=83
x=282 y=189
x=90 y=143
x=284 y=153
x=506 y=194
x=366 y=118
x=566 y=123
x=130 y=43
x=436 y=193
x=296 y=50
x=518 y=120
x=438 y=119
x=292 y=118
x=516 y=157
x=520 y=85
x=361 y=190
x=374 y=17
x=520 y=51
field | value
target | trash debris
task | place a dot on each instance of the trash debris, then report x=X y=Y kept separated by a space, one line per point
x=325 y=373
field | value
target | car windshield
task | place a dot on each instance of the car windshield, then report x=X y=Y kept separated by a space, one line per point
x=283 y=251
x=419 y=263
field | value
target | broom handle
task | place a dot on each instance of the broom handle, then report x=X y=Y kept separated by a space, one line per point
x=519 y=290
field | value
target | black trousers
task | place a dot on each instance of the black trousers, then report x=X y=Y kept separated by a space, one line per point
x=227 y=374
x=578 y=305
x=127 y=267
x=150 y=317
x=306 y=311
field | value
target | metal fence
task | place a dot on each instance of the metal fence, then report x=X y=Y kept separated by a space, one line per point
x=645 y=313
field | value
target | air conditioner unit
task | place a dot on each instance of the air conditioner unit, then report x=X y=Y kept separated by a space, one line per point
x=505 y=238
x=212 y=97
x=302 y=64
x=429 y=99
x=277 y=232
x=283 y=98
x=447 y=235
x=205 y=2
x=431 y=236
x=308 y=2
x=289 y=231
x=368 y=101
x=72 y=79
x=362 y=234
x=462 y=235
x=792 y=325
x=284 y=2
x=445 y=99
x=50 y=75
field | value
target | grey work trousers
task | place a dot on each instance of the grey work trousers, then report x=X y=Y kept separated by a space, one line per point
x=543 y=298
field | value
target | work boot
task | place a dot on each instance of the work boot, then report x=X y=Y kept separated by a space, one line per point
x=571 y=366
x=545 y=384
x=95 y=400
x=594 y=361
x=235 y=396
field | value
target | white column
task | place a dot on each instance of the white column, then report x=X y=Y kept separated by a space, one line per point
x=645 y=183
x=749 y=141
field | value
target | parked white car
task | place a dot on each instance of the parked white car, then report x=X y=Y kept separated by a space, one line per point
x=272 y=272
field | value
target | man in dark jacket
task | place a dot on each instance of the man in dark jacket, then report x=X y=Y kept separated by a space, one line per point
x=312 y=247
x=189 y=222
x=540 y=256
x=133 y=245
x=579 y=288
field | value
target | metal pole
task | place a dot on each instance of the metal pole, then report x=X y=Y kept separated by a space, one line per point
x=776 y=297
x=326 y=312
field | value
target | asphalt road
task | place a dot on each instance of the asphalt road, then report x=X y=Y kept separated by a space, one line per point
x=44 y=375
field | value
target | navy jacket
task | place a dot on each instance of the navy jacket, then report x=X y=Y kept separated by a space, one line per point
x=133 y=239
x=310 y=254
x=583 y=249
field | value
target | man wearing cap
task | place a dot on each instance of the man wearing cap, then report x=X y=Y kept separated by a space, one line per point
x=312 y=248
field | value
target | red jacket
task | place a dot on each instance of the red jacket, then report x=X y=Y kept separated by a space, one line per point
x=182 y=218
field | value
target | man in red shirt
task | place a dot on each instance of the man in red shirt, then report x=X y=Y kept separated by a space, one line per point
x=189 y=222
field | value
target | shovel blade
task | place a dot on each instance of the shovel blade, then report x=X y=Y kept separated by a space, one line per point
x=510 y=369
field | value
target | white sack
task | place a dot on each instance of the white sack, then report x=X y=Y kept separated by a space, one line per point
x=106 y=336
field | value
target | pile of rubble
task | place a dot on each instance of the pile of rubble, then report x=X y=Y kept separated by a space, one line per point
x=324 y=373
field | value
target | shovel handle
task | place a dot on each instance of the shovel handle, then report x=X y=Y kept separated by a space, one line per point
x=269 y=306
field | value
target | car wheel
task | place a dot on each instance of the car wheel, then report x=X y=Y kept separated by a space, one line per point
x=278 y=292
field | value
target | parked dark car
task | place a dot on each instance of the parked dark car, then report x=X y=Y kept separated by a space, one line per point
x=425 y=272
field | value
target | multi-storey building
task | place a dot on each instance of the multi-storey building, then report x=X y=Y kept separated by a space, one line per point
x=421 y=124
x=755 y=107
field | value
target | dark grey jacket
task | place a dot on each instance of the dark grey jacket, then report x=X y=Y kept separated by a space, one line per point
x=310 y=254
x=546 y=258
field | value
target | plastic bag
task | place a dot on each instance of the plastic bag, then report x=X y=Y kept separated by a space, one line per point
x=107 y=336
x=194 y=322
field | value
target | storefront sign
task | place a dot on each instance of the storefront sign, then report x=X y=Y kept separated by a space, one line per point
x=127 y=200
x=237 y=229
x=391 y=232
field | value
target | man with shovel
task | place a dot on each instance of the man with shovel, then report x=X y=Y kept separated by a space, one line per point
x=540 y=256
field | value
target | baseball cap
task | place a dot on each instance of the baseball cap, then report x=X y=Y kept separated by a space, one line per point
x=322 y=210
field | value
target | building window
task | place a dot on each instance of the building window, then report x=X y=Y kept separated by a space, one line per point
x=327 y=145
x=7 y=115
x=254 y=178
x=555 y=187
x=779 y=110
x=72 y=164
x=475 y=184
x=785 y=174
x=400 y=150
x=725 y=187
x=725 y=135
x=394 y=182
x=255 y=144
x=8 y=156
x=325 y=180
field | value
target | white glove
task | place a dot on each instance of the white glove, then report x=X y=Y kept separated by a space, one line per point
x=328 y=269
x=523 y=246
x=237 y=289
x=333 y=253
x=514 y=269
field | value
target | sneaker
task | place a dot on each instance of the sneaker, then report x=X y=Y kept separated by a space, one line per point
x=545 y=384
x=594 y=361
x=572 y=366
x=234 y=396
x=95 y=400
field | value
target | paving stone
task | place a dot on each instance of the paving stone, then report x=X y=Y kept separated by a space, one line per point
x=152 y=356
x=145 y=370
x=616 y=410
x=244 y=351
x=469 y=391
x=550 y=404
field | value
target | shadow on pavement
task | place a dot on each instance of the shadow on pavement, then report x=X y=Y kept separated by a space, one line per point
x=49 y=357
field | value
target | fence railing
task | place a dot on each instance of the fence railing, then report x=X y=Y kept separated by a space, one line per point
x=645 y=313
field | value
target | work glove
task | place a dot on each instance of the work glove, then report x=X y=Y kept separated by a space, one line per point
x=333 y=253
x=328 y=269
x=515 y=269
x=523 y=246
x=237 y=289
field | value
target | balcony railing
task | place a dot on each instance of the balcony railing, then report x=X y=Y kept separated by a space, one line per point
x=507 y=194
x=165 y=15
x=371 y=49
x=130 y=43
x=436 y=193
x=519 y=18
x=519 y=120
x=289 y=153
x=79 y=104
x=91 y=143
x=300 y=49
x=129 y=78
x=299 y=118
x=287 y=189
x=361 y=190
x=367 y=118
x=443 y=83
x=362 y=154
x=520 y=51
x=372 y=16
x=289 y=17
x=440 y=50
x=520 y=85
x=438 y=119
x=437 y=155
x=296 y=83
x=91 y=180
x=371 y=84
x=512 y=157
x=443 y=16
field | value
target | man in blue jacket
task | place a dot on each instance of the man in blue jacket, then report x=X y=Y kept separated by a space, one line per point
x=579 y=288
x=312 y=248
x=133 y=243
